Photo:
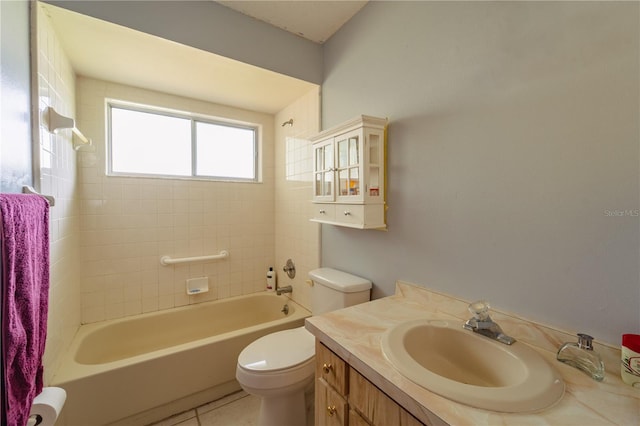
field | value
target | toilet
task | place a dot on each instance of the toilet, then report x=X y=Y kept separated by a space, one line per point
x=280 y=368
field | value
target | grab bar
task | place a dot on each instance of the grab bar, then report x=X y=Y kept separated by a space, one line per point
x=167 y=260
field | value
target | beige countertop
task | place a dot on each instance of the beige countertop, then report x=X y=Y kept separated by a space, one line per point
x=354 y=334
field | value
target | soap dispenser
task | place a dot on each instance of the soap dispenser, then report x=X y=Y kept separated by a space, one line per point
x=271 y=279
x=582 y=356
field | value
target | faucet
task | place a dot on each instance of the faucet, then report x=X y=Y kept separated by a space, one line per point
x=286 y=289
x=483 y=324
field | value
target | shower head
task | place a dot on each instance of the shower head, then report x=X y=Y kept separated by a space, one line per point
x=288 y=123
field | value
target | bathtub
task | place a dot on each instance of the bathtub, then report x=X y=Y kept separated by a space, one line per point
x=140 y=369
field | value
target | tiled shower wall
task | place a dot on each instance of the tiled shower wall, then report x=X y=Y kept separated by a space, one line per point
x=56 y=88
x=127 y=224
x=296 y=237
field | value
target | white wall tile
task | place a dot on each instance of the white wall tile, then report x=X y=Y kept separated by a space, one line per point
x=296 y=237
x=56 y=87
x=135 y=221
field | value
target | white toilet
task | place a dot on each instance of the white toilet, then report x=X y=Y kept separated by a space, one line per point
x=280 y=367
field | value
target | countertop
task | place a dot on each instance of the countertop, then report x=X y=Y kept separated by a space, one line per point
x=354 y=334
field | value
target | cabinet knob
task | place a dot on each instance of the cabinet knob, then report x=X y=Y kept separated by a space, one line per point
x=322 y=212
x=326 y=368
x=347 y=213
x=331 y=410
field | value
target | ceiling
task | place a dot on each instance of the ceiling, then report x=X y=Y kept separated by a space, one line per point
x=110 y=52
x=314 y=20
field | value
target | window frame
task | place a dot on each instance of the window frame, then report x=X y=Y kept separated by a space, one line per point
x=194 y=118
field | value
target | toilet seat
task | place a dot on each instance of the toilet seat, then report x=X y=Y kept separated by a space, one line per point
x=278 y=351
x=278 y=363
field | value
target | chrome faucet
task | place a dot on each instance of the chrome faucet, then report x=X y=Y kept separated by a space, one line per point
x=483 y=324
x=286 y=289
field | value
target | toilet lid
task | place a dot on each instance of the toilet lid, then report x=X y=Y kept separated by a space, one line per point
x=277 y=351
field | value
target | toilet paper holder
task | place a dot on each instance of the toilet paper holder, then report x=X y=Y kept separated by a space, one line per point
x=34 y=420
x=46 y=407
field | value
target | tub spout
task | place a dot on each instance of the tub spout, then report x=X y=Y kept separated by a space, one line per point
x=287 y=289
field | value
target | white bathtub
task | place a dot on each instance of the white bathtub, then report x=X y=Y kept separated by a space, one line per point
x=141 y=369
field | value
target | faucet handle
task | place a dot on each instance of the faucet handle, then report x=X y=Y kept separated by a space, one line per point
x=480 y=310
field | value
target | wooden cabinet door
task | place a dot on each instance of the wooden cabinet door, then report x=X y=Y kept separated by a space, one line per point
x=331 y=407
x=375 y=405
x=331 y=368
x=355 y=419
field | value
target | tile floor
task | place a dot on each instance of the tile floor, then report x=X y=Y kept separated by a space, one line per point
x=238 y=409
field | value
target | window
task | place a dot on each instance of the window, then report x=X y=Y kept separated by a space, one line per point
x=144 y=141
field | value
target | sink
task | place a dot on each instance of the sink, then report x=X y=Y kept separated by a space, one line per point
x=472 y=369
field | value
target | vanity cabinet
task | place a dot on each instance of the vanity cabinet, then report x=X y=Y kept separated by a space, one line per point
x=345 y=397
x=349 y=174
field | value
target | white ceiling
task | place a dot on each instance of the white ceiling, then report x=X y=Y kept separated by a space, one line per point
x=110 y=52
x=314 y=20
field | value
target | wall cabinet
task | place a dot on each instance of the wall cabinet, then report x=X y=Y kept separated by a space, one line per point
x=344 y=397
x=349 y=174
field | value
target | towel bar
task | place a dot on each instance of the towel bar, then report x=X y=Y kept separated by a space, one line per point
x=26 y=189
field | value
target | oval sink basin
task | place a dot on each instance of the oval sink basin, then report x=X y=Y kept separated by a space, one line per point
x=472 y=369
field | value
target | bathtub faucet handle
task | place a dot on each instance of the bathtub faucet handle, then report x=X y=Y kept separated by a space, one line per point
x=290 y=269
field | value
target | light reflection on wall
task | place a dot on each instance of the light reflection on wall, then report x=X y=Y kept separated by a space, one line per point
x=298 y=159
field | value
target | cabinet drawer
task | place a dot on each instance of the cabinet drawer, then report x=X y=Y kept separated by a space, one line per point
x=350 y=213
x=375 y=405
x=331 y=368
x=324 y=212
x=361 y=215
x=331 y=408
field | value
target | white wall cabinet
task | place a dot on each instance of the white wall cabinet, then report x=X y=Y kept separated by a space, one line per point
x=349 y=174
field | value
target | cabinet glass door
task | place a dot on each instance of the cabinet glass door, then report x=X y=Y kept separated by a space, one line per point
x=323 y=174
x=376 y=163
x=348 y=159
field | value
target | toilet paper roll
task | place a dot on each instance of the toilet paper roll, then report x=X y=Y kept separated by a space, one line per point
x=48 y=405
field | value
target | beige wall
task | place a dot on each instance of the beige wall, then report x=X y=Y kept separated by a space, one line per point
x=128 y=223
x=56 y=88
x=297 y=238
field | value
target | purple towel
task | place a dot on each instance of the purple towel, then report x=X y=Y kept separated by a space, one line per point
x=24 y=232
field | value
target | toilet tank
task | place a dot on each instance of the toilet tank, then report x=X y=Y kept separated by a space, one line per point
x=333 y=289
